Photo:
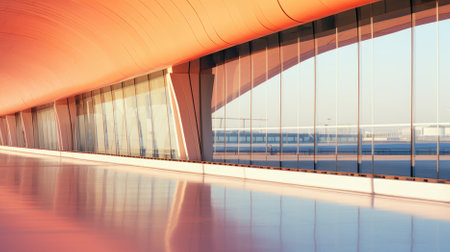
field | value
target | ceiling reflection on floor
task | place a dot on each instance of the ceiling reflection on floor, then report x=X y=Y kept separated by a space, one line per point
x=54 y=204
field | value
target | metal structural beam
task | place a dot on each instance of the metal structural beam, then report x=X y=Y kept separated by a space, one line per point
x=27 y=126
x=192 y=93
x=63 y=123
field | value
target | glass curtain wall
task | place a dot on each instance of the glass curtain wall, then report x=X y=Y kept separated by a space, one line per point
x=132 y=118
x=361 y=91
x=425 y=80
x=392 y=87
x=44 y=127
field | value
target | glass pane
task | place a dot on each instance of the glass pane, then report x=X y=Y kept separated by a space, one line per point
x=273 y=101
x=54 y=130
x=232 y=121
x=89 y=121
x=326 y=94
x=290 y=78
x=98 y=122
x=259 y=101
x=347 y=92
x=35 y=128
x=42 y=143
x=80 y=125
x=120 y=120
x=132 y=118
x=425 y=89
x=160 y=115
x=145 y=116
x=244 y=103
x=108 y=121
x=306 y=97
x=366 y=89
x=444 y=89
x=45 y=127
x=392 y=87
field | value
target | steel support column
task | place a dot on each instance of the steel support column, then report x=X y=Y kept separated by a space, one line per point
x=192 y=94
x=27 y=126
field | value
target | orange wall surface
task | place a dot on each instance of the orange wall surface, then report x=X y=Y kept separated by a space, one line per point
x=53 y=49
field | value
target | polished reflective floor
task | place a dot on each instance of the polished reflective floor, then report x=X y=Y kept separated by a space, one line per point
x=54 y=204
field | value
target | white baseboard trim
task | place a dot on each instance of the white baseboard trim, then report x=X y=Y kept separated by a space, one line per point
x=377 y=186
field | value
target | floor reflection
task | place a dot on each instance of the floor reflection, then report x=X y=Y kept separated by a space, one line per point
x=54 y=205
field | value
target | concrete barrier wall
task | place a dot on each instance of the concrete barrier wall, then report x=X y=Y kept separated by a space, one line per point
x=377 y=186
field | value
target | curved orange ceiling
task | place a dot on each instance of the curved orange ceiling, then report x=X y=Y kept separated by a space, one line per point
x=52 y=49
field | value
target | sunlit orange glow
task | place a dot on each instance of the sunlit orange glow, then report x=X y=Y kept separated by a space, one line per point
x=53 y=49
